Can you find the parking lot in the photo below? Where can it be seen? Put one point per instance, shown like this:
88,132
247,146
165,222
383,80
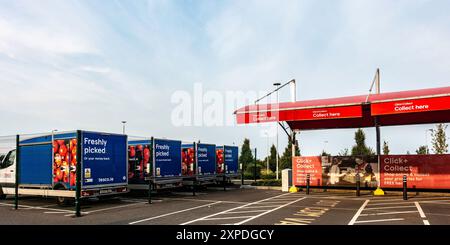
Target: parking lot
238,206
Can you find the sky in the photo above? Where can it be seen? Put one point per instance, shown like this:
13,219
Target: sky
91,64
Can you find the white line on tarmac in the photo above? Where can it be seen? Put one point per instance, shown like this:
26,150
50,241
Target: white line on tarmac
387,213
248,211
176,212
259,215
33,207
390,207
378,220
358,213
268,206
225,211
115,207
240,217
389,203
419,208
425,222
204,200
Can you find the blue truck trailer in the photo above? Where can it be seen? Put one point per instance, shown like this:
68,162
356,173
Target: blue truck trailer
227,165
155,162
199,163
49,165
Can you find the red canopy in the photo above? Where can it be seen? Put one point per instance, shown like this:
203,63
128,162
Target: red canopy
397,108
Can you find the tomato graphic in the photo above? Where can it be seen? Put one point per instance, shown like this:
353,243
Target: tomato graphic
58,160
74,159
55,147
139,147
62,150
146,154
132,152
58,175
60,142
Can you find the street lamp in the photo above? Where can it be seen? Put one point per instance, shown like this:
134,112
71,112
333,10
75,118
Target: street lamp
268,151
277,85
123,126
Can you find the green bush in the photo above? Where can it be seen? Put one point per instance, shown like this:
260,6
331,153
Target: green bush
269,182
268,176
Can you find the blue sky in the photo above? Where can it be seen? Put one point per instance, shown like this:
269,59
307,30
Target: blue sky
91,64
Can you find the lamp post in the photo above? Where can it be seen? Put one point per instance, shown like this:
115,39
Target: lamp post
123,126
277,85
268,152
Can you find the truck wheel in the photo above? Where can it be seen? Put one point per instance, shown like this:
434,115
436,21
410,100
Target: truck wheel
63,201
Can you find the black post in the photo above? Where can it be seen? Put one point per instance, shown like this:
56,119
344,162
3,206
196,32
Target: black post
307,184
151,172
195,168
242,174
377,130
254,170
78,176
405,185
358,184
16,186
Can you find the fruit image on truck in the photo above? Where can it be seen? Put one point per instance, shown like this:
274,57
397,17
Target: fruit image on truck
48,165
188,160
200,161
139,162
227,160
154,161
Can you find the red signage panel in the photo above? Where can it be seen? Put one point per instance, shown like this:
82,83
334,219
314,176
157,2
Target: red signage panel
422,171
299,114
301,166
408,106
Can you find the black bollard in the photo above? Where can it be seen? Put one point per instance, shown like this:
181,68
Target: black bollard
405,185
307,184
358,185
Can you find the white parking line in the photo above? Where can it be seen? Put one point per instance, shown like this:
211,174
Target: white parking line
116,207
425,222
232,209
33,207
419,208
176,212
390,207
387,213
270,206
390,203
358,213
259,215
378,220
247,211
240,217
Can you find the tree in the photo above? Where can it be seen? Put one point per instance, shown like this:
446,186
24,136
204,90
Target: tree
344,152
273,158
408,153
324,153
422,150
286,158
361,149
439,141
246,157
385,148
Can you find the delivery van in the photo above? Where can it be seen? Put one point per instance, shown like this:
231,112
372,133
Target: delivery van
48,166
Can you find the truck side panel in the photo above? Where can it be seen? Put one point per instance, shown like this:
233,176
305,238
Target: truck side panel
104,160
231,159
36,164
